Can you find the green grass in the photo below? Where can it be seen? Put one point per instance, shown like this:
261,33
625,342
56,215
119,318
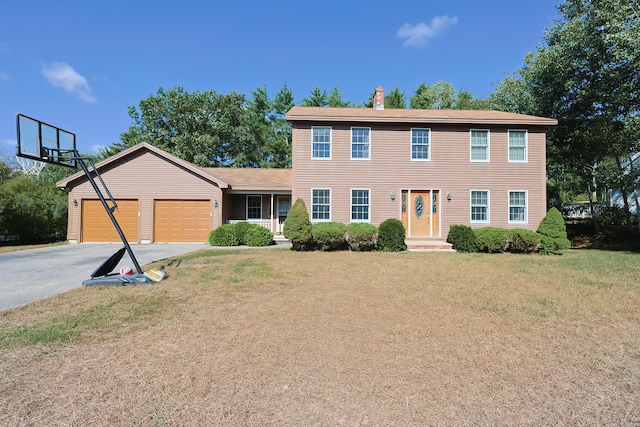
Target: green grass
107,319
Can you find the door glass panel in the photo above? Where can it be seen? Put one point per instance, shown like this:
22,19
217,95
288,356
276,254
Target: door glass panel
419,206
435,204
404,203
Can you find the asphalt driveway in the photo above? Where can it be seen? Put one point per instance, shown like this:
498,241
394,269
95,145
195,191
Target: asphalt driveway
32,274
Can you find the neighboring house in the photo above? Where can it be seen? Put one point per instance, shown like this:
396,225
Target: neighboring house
428,168
162,198
633,197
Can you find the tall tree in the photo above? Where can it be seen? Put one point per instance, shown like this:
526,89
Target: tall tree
318,98
442,95
392,100
335,99
204,128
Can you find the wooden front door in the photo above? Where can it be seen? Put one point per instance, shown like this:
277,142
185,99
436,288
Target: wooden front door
421,213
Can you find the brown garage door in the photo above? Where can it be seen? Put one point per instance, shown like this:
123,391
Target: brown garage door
181,221
97,226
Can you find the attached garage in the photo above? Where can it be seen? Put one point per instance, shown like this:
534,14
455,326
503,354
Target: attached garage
97,226
181,220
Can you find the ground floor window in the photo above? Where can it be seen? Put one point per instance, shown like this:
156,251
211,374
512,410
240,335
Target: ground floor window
517,206
321,205
254,207
360,205
479,206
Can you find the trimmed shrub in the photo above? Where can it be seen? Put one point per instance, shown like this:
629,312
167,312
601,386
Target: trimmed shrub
553,227
257,235
491,239
391,236
225,235
297,227
241,229
547,246
362,236
329,236
462,238
522,241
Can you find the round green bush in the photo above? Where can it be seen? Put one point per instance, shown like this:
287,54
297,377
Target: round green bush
257,235
297,227
522,241
553,227
225,235
491,239
362,236
241,230
391,236
462,238
329,236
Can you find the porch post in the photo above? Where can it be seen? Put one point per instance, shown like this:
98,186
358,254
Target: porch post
272,208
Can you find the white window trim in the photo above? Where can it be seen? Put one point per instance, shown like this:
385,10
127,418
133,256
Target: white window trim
526,206
330,205
488,220
330,142
488,159
411,145
369,151
351,205
247,207
526,145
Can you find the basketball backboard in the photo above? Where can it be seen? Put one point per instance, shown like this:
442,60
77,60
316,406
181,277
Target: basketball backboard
41,141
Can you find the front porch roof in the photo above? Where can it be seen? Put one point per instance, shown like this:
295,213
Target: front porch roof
254,179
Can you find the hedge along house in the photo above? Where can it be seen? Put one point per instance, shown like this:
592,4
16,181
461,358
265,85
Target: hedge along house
428,168
162,198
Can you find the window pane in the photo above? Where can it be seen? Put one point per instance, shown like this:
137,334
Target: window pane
321,204
517,206
517,146
420,144
321,144
479,145
254,207
359,143
360,205
479,205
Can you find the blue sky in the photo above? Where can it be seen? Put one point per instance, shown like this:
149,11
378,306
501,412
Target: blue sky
78,65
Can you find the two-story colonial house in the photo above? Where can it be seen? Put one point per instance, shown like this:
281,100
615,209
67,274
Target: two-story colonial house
428,168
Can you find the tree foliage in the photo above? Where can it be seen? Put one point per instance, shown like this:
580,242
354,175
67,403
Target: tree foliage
586,75
442,95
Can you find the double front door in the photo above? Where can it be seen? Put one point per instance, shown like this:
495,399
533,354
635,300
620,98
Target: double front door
421,213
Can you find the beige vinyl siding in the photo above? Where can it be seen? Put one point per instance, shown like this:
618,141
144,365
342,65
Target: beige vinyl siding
146,177
449,171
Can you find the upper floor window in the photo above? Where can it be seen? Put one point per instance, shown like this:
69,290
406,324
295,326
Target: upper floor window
479,206
420,147
517,145
321,142
321,205
360,143
517,206
359,205
479,145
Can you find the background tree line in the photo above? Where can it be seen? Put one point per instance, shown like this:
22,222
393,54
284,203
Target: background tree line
585,73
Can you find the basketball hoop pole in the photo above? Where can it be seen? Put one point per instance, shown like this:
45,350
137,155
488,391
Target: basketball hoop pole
109,210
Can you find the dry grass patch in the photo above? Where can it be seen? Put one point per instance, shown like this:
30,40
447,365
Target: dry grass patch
282,338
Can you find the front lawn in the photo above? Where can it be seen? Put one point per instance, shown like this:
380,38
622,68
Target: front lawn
254,337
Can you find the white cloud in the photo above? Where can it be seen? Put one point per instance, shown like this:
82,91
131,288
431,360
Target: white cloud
4,76
418,35
63,75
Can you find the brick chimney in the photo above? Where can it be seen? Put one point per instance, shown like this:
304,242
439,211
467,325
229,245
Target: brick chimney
378,98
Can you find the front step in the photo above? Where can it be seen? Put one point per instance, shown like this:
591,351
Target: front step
428,245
